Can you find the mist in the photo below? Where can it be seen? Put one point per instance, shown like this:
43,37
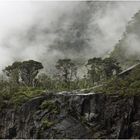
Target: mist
46,31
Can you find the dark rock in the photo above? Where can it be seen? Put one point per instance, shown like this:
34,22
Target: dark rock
69,115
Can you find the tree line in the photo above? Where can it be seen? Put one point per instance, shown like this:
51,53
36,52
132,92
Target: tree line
27,74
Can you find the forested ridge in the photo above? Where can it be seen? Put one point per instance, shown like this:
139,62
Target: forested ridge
25,80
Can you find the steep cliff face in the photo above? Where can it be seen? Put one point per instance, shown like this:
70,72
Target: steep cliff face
73,115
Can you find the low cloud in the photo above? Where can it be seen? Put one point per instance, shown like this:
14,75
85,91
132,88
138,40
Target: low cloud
46,31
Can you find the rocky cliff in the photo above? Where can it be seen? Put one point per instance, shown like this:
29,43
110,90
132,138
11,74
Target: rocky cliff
73,115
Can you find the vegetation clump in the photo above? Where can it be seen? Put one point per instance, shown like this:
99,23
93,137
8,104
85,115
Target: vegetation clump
127,85
23,80
46,123
51,106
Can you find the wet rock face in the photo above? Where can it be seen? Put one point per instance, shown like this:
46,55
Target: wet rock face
73,116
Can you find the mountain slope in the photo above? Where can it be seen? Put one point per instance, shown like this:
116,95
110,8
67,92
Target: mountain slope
127,50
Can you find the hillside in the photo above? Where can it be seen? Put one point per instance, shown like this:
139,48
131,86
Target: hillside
70,70
127,50
108,111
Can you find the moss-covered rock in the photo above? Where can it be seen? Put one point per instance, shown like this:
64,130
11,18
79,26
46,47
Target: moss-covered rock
46,123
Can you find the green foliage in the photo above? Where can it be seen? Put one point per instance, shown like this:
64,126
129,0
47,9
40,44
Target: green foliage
65,77
26,70
29,70
24,94
11,94
47,104
102,69
99,71
13,72
67,71
128,85
51,106
46,123
110,65
19,99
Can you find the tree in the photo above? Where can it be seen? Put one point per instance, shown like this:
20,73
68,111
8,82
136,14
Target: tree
67,71
13,72
102,69
111,67
26,71
46,81
29,70
95,67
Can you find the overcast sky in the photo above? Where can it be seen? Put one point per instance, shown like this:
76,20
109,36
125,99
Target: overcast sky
28,29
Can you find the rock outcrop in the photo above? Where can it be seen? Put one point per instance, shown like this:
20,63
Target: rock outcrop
73,115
